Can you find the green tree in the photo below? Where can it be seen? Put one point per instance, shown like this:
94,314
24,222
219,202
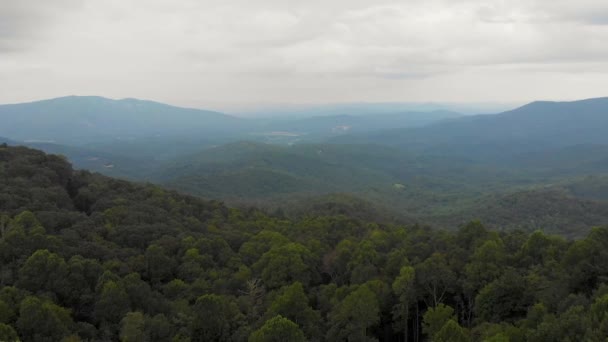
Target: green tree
159,266
6,312
451,332
44,271
292,304
351,319
43,321
159,328
285,264
278,329
113,303
26,220
404,289
252,250
216,318
132,327
505,299
435,276
435,318
7,333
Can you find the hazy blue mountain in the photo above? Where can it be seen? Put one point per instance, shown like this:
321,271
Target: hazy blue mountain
573,159
82,119
533,127
109,164
365,108
4,140
115,165
317,127
593,187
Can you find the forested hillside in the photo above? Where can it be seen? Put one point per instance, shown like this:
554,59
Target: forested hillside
82,120
89,258
529,192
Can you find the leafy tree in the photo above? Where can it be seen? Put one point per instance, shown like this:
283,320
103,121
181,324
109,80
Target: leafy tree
44,271
352,317
435,276
159,267
132,327
285,264
113,303
216,318
451,332
158,328
293,304
278,329
6,312
41,320
7,333
404,289
435,318
262,242
505,298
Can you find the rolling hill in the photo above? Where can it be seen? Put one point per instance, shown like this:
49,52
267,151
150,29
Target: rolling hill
92,258
559,186
316,128
79,120
530,128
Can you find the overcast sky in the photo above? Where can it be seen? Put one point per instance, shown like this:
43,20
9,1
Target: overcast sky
227,53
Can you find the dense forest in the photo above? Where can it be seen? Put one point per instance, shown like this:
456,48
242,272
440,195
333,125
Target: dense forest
90,258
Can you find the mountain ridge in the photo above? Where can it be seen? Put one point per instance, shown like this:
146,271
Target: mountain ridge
78,119
534,126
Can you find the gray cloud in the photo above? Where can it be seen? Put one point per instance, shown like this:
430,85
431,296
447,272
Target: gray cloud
25,21
225,52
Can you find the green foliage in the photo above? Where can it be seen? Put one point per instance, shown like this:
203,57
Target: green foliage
7,333
132,327
113,303
436,277
353,316
41,320
216,318
92,258
451,332
278,329
293,304
504,299
436,318
404,289
44,271
285,264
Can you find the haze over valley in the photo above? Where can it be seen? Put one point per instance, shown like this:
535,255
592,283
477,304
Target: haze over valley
438,167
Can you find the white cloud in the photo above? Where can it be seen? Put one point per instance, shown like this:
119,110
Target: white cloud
220,52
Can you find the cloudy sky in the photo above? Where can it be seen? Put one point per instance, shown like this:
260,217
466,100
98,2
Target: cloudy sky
224,53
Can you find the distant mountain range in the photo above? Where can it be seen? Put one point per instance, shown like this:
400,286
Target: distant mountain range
337,125
533,127
543,159
83,119
131,126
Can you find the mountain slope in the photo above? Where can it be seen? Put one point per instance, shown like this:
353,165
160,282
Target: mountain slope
318,127
533,127
90,258
82,119
553,209
260,170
